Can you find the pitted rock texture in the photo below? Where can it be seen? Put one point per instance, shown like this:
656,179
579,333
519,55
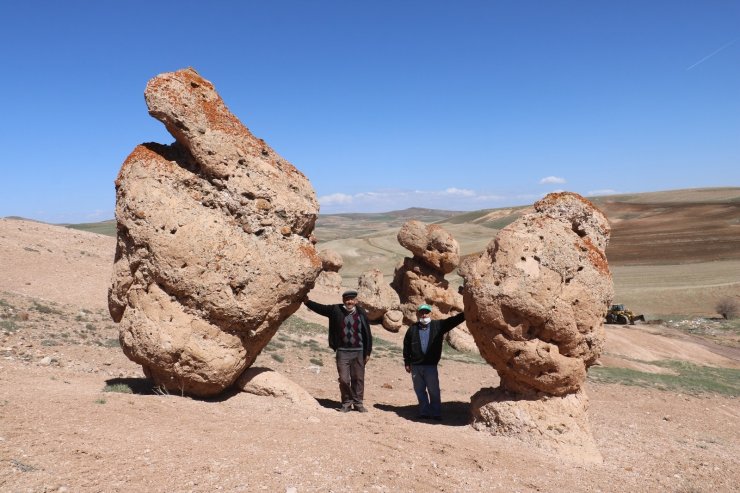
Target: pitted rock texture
213,248
558,424
375,295
421,279
416,283
536,298
432,244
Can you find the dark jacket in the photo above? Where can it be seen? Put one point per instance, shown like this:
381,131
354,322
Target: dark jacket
336,314
412,354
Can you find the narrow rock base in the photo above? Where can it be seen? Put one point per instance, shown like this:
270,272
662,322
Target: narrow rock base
555,424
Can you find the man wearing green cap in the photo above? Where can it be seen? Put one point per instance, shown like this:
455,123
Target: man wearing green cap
422,349
351,338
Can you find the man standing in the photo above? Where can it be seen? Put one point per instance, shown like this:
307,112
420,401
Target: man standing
422,348
350,337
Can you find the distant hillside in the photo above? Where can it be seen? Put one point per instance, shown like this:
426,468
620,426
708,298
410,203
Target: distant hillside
668,227
107,228
351,225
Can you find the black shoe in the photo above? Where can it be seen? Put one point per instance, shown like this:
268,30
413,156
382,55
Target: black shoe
345,408
360,408
437,418
423,416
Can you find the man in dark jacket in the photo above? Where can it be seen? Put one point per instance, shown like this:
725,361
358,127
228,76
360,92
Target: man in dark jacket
350,337
422,348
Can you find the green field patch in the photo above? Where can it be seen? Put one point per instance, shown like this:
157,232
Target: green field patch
687,377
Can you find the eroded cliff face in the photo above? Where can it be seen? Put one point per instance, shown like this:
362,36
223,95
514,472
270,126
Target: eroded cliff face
213,247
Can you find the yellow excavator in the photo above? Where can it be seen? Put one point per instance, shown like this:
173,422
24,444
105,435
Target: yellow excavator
618,314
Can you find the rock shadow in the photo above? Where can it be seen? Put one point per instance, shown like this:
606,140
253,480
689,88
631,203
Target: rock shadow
144,386
454,413
137,385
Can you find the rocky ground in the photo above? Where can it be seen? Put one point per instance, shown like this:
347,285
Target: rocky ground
76,415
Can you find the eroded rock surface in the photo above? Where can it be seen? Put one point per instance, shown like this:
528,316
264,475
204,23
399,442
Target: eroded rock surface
432,244
554,423
421,279
213,247
266,382
375,295
535,299
329,278
535,302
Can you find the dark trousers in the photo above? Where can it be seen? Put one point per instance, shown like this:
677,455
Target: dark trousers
351,369
426,385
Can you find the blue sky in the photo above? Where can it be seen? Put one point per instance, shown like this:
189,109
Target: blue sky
384,104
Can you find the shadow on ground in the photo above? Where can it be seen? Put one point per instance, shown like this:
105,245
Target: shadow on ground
455,413
329,403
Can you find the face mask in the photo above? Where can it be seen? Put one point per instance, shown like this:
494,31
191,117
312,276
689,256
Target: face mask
425,320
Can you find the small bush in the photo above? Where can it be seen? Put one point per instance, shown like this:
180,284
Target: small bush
277,357
728,307
8,325
44,308
100,401
91,327
111,343
316,361
120,388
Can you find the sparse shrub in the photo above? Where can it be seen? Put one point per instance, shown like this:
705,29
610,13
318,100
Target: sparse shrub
91,327
728,308
4,303
111,343
316,361
277,357
8,325
21,466
44,308
79,317
49,342
120,388
100,401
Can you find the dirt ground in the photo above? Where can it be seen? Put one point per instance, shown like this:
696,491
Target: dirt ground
60,431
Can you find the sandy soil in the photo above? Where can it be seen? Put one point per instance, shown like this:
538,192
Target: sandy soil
59,430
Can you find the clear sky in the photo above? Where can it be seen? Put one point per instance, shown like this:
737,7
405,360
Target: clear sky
382,104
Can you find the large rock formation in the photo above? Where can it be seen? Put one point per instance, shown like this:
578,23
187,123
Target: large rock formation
213,247
421,279
535,299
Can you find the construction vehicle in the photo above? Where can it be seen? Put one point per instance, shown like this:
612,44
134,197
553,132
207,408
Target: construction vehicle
618,314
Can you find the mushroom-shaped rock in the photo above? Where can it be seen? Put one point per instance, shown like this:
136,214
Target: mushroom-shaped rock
213,249
535,299
432,244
